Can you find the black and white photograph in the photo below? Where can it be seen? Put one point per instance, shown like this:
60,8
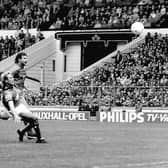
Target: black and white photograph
83,83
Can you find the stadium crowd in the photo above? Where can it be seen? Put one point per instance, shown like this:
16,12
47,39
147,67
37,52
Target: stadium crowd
10,45
81,14
112,15
27,13
140,74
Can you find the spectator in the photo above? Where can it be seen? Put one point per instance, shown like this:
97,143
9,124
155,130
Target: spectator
132,76
21,40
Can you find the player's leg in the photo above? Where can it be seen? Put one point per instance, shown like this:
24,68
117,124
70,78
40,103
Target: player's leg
28,127
30,134
38,132
32,121
27,118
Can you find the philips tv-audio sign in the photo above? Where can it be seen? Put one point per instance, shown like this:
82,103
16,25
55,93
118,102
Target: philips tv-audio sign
129,115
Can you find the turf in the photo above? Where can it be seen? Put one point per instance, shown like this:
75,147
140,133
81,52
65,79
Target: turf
86,144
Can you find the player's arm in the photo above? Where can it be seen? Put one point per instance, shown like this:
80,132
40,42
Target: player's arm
18,81
33,79
13,111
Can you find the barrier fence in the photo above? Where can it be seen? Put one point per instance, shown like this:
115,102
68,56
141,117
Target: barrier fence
117,104
106,104
112,115
113,96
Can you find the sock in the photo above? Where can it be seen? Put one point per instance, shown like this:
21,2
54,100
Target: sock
27,128
37,129
38,132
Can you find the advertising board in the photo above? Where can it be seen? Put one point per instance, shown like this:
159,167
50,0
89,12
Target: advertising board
129,115
60,113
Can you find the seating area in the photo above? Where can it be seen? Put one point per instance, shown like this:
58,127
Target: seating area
81,14
27,13
140,74
123,80
112,15
10,45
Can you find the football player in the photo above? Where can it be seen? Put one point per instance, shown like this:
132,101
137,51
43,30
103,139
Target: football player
11,99
19,73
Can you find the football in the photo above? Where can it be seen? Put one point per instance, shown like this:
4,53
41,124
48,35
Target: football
137,28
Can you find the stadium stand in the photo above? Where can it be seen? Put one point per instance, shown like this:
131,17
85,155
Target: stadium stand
84,14
121,82
113,14
30,13
140,74
9,45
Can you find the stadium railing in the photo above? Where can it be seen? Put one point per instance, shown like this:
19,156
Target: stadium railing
128,96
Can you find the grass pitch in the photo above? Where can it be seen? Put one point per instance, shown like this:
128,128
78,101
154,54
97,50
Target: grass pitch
86,144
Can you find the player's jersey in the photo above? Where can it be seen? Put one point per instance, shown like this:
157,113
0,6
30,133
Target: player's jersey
10,94
19,76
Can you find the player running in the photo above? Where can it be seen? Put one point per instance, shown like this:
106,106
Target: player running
11,99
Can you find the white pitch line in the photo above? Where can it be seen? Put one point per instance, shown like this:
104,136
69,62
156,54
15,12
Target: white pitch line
147,164
134,165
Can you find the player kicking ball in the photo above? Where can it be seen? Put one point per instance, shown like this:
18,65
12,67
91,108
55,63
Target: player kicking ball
12,102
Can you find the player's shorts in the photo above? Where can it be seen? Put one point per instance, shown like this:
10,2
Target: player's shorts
21,108
23,111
